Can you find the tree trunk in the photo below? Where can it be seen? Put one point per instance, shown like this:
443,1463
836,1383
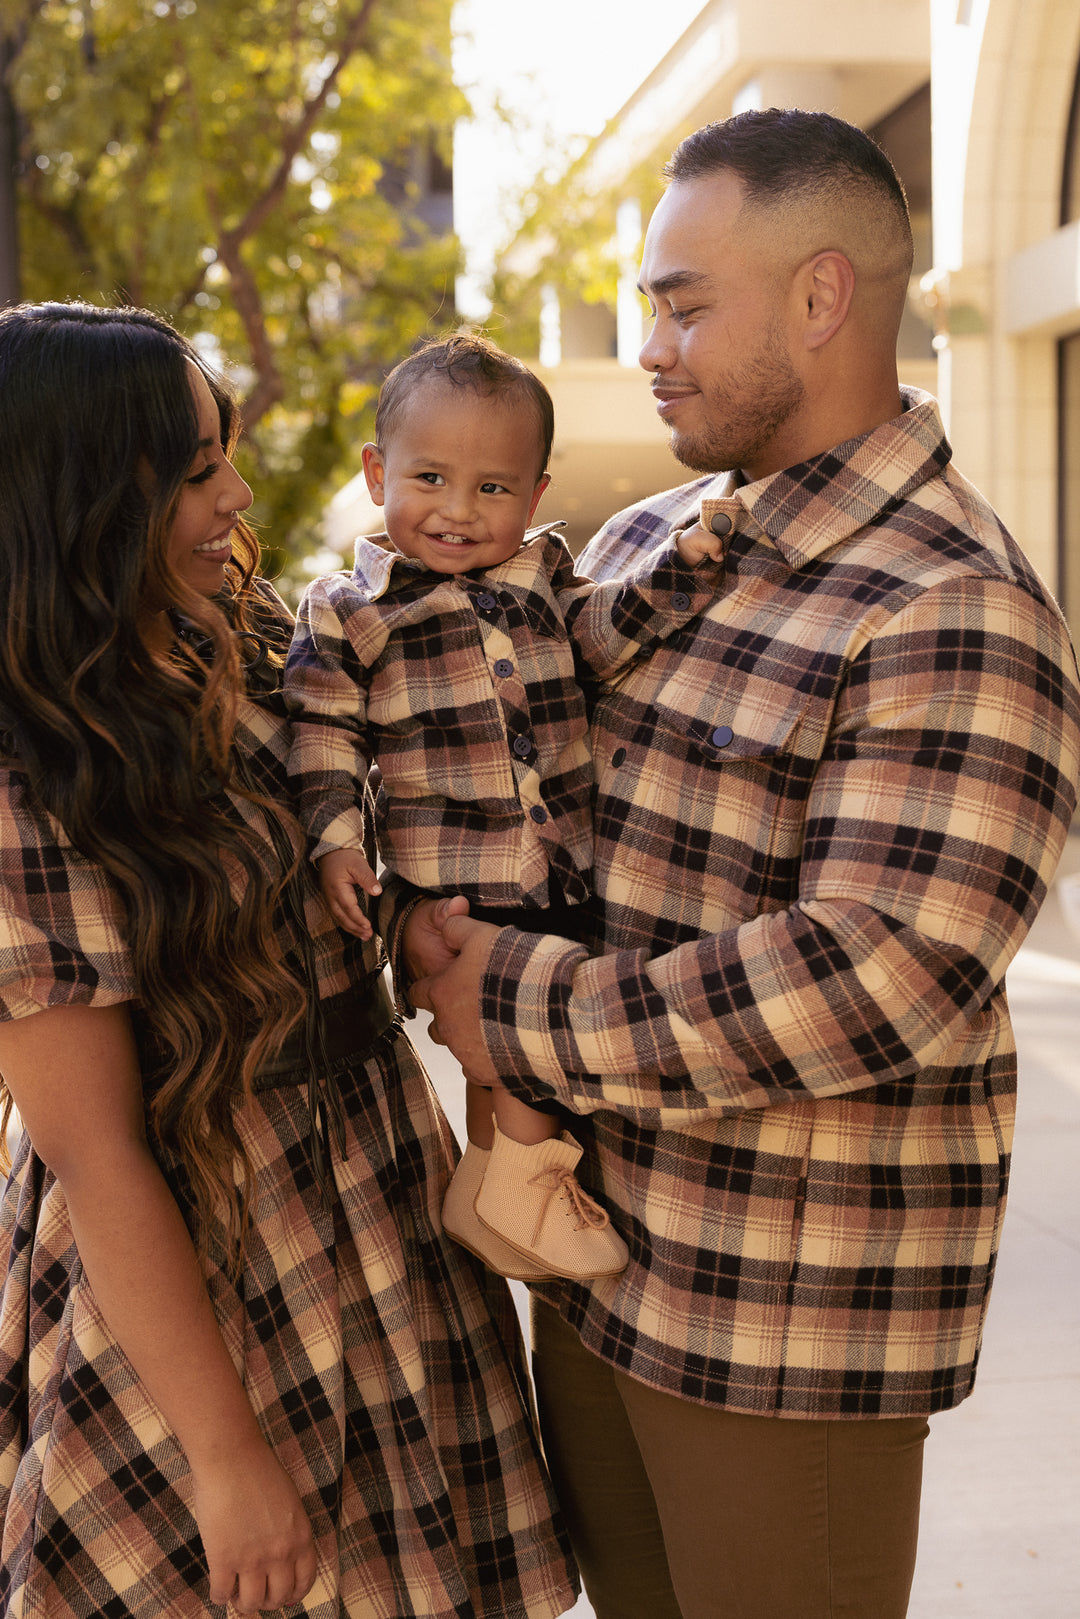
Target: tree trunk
9,157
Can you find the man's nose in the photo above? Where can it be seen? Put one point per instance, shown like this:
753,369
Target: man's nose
656,354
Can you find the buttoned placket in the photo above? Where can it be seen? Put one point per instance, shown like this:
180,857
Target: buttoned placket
504,668
720,517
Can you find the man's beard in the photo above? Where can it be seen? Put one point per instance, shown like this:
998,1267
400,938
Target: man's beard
744,414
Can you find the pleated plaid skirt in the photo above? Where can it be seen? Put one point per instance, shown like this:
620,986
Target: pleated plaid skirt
385,1369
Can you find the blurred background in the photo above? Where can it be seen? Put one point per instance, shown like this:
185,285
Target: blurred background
309,187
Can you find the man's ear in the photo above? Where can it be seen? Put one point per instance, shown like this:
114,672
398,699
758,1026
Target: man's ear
545,479
374,472
828,286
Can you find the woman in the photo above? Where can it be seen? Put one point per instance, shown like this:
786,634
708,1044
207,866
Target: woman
238,1362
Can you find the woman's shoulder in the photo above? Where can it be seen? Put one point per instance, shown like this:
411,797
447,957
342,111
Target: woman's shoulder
24,821
61,937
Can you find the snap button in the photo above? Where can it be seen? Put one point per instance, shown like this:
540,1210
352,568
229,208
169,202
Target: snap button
721,736
618,757
503,667
721,525
522,747
539,814
486,601
680,601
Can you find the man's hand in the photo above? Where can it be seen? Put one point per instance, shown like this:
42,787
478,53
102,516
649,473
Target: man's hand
424,950
452,993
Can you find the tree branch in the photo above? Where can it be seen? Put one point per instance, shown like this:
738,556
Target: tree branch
296,136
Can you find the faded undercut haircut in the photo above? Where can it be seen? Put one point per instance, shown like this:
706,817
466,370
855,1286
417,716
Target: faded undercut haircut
785,155
467,360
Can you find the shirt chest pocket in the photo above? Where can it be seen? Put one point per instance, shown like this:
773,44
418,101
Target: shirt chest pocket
701,811
741,722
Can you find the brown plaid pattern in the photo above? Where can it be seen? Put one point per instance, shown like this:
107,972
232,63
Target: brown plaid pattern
384,1366
467,691
827,813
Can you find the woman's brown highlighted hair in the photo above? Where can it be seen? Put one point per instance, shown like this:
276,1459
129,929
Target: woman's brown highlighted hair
130,752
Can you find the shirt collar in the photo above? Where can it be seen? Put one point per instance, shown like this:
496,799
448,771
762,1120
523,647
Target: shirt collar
814,505
375,558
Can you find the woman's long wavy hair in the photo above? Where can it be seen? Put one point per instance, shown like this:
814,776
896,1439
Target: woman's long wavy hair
128,751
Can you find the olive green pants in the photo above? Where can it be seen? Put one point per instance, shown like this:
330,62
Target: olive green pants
680,1512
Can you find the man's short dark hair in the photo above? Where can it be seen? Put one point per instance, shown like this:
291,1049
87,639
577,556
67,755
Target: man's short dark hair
780,154
467,360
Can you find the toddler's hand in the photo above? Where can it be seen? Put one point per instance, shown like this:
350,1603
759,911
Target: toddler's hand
697,543
341,873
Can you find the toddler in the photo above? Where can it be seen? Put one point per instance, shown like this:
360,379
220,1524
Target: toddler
449,658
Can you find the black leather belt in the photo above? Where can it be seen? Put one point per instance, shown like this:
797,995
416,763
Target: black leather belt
351,1027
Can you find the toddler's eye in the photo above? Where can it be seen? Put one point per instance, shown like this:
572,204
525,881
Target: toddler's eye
492,489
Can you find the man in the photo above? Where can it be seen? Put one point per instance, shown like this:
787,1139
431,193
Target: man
827,813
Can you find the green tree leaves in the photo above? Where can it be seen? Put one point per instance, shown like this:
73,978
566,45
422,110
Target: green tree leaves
259,171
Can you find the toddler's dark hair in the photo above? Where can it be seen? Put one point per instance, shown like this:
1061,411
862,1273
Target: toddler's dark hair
466,360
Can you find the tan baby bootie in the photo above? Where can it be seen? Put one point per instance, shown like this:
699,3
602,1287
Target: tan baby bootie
530,1198
460,1222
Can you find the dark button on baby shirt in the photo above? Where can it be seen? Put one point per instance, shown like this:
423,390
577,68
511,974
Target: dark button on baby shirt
539,814
486,601
503,668
680,601
522,746
721,525
721,736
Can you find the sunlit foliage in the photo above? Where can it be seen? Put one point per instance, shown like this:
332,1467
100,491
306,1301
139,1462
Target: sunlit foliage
252,168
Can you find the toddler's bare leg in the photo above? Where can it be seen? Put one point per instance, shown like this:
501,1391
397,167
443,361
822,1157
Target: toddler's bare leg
522,1123
479,1124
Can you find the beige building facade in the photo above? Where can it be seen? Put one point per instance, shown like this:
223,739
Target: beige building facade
976,102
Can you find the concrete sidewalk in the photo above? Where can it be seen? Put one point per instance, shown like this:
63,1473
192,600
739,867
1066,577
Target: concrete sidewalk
1001,1499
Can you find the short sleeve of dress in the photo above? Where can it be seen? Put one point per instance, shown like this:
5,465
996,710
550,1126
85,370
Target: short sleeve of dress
60,940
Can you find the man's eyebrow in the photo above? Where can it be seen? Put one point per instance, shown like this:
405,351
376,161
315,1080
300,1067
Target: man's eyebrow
678,280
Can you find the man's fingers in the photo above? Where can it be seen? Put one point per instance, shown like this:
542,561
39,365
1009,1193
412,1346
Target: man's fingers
420,995
459,930
446,909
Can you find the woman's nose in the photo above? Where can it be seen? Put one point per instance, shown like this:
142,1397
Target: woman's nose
235,495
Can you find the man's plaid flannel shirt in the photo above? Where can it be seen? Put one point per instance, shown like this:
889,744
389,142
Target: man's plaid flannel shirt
827,813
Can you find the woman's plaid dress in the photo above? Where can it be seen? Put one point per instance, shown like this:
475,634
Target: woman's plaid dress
385,1368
